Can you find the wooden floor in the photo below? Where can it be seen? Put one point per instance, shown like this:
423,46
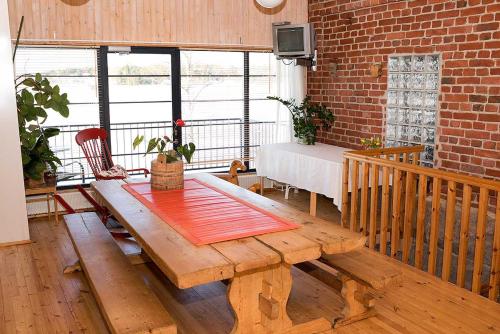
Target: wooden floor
35,297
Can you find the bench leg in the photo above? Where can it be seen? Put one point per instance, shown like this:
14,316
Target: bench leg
258,299
72,268
359,304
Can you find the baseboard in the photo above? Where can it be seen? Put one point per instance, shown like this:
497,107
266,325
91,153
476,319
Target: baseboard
15,243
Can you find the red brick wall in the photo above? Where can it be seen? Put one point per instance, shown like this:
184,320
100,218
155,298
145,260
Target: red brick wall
355,34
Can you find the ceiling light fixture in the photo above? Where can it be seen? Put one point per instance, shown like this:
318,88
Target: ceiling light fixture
269,3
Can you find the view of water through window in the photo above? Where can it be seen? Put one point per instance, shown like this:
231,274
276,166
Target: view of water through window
140,101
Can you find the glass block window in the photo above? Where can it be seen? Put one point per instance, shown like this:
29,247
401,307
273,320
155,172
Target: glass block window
412,102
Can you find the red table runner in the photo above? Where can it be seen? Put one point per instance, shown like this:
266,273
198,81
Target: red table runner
204,214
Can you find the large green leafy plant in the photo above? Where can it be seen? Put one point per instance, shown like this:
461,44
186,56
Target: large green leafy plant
35,96
307,118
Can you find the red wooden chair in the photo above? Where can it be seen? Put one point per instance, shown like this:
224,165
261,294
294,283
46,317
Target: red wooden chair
95,148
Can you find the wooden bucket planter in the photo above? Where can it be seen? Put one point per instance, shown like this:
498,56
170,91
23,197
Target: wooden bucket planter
167,176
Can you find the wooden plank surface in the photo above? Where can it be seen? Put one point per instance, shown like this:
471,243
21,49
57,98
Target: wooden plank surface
365,265
247,254
330,237
185,264
127,304
219,24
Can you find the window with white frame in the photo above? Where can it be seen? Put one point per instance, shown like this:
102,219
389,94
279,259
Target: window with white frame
412,102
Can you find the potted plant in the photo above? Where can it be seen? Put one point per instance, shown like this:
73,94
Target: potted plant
35,96
307,118
167,170
371,143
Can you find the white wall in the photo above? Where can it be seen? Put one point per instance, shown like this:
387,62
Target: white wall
13,221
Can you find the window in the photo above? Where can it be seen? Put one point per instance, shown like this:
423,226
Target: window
140,86
212,104
412,102
221,95
75,71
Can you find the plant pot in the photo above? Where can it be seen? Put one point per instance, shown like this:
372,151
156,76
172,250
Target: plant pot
32,183
50,179
167,175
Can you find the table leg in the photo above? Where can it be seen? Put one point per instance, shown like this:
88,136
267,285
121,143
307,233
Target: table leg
258,299
56,216
48,206
312,204
261,180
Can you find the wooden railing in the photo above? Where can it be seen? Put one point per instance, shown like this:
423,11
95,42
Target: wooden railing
391,203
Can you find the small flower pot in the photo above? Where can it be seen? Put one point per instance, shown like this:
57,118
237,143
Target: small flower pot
50,179
167,175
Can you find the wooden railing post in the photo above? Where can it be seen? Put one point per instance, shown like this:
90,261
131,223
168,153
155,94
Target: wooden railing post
396,205
345,193
364,198
354,197
464,235
384,213
419,238
433,239
408,215
495,257
451,201
480,234
373,207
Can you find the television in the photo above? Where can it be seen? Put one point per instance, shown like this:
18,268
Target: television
293,40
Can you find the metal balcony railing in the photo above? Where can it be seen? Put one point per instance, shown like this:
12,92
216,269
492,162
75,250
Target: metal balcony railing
218,142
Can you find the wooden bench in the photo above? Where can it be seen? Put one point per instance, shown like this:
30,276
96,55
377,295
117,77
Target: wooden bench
127,304
352,274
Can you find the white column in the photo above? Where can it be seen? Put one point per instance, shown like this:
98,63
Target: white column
13,221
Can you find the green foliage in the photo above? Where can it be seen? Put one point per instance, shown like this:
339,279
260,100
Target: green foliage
35,96
162,146
187,151
371,143
306,116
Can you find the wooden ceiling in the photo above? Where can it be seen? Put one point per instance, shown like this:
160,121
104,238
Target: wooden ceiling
227,24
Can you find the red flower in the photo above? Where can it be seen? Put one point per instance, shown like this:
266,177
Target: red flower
180,123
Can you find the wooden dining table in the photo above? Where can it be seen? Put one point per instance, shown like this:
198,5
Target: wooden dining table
258,268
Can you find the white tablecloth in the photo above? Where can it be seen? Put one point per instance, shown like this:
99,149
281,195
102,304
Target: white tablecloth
316,168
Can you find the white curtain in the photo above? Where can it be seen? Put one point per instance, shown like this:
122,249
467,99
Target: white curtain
291,84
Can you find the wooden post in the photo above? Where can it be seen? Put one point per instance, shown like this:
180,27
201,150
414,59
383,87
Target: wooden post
464,235
384,214
313,204
354,197
396,205
373,207
345,193
480,239
433,239
261,180
451,201
364,198
495,257
419,238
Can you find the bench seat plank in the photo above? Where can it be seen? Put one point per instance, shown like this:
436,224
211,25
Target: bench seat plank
128,305
185,264
366,266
